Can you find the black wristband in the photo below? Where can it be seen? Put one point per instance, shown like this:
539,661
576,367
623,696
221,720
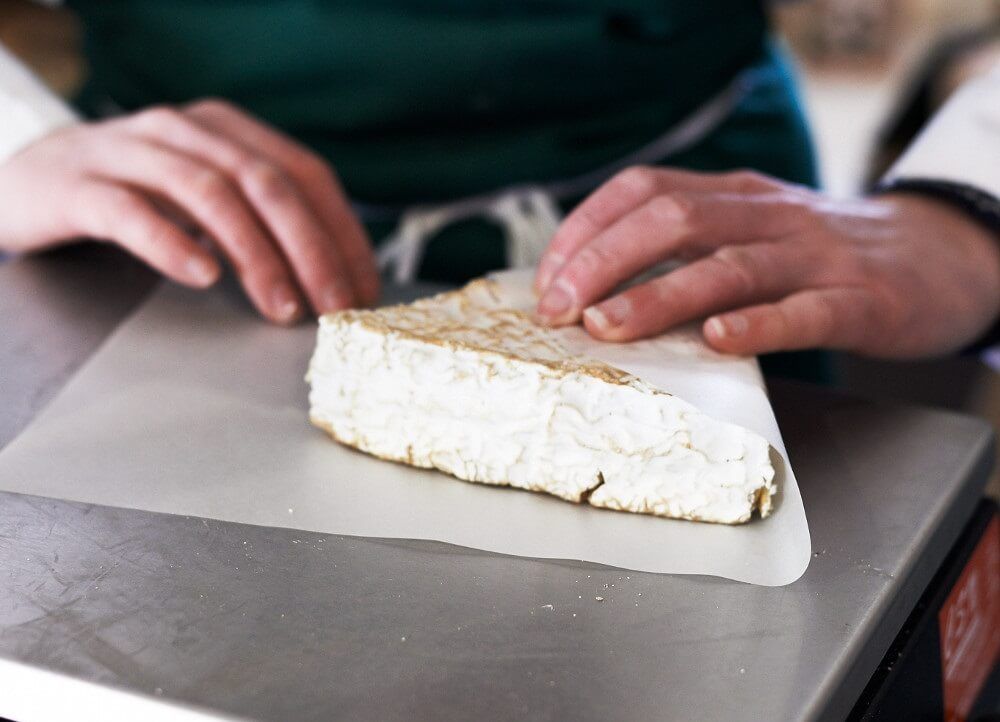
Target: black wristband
977,204
980,205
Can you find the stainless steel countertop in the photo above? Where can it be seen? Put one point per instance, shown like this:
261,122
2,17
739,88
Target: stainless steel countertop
277,624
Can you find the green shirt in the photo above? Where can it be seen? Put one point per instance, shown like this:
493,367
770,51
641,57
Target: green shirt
427,100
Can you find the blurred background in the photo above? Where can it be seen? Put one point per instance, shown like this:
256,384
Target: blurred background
872,73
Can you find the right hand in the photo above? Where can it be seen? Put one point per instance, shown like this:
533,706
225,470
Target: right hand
146,181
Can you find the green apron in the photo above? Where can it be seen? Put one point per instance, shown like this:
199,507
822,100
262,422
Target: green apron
420,101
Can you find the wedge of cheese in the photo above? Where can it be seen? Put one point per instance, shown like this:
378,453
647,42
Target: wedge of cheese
463,383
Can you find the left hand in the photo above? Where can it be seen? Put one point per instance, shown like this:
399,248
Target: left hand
772,266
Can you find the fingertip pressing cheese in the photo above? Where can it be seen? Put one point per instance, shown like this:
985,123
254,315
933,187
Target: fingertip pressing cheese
463,383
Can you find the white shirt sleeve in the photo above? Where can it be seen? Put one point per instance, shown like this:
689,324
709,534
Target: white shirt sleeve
961,143
28,109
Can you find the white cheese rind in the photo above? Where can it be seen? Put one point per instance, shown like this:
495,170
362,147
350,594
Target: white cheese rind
516,414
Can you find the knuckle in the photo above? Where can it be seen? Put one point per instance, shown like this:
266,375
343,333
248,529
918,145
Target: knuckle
673,208
586,218
210,186
739,266
242,164
206,182
638,180
780,326
734,256
824,318
590,260
663,292
124,215
157,118
267,182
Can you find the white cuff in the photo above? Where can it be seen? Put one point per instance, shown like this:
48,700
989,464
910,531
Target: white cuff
961,144
28,109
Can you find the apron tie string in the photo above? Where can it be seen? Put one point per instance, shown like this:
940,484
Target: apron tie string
529,214
528,217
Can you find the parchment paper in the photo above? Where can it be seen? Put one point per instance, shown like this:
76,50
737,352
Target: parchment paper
194,406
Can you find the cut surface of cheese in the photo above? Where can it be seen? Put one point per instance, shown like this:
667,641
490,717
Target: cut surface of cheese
464,383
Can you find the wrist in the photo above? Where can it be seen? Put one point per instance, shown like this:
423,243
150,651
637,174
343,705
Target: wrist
966,236
974,203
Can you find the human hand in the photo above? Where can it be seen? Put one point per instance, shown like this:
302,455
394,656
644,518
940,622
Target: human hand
773,266
146,181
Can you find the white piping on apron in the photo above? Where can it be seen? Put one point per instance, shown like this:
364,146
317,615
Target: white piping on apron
528,213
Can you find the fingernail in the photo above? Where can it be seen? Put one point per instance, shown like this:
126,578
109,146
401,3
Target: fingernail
610,314
284,303
715,327
597,318
202,271
731,325
333,298
557,301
